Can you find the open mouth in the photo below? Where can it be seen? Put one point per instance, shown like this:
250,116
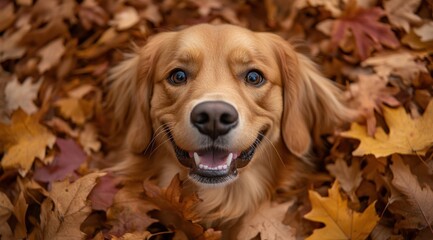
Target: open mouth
215,165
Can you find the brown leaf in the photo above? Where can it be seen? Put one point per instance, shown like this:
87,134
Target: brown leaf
369,33
102,195
6,208
401,12
66,208
78,110
7,16
425,32
10,47
350,177
51,54
91,13
89,139
125,19
417,207
22,95
268,223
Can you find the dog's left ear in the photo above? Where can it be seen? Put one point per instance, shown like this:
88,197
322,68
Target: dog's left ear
313,104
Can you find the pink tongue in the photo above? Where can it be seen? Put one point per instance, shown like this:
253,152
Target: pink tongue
213,158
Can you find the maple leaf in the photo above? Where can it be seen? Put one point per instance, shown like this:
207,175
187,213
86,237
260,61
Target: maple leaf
340,221
66,208
406,135
70,158
401,12
400,63
268,222
78,110
425,32
417,207
23,141
369,33
22,95
51,54
369,94
9,44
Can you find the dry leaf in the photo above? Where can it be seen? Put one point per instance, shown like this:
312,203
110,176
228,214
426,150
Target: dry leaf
102,195
22,95
349,177
369,33
268,222
9,44
65,210
51,54
78,110
401,12
89,139
7,16
425,32
23,141
406,135
417,206
6,208
125,19
340,221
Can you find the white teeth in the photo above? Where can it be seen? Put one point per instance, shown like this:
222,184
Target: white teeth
229,159
224,166
196,159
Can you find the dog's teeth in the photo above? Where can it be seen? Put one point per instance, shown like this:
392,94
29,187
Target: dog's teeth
220,167
205,167
196,159
200,166
229,159
224,167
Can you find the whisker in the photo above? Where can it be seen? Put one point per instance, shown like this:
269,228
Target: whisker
157,134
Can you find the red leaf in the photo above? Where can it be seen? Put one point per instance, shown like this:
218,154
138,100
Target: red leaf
70,158
102,195
368,32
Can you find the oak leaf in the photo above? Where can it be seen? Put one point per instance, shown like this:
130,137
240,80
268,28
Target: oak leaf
368,32
22,95
349,177
66,208
401,12
417,206
406,135
23,141
340,221
268,222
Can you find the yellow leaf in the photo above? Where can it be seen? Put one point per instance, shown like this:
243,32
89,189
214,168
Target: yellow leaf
23,141
78,110
340,221
406,135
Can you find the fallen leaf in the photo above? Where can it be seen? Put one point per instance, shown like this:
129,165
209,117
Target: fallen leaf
417,206
23,141
414,41
7,16
401,64
425,32
78,110
6,208
22,95
349,177
89,13
102,195
10,47
205,7
51,54
369,33
401,12
20,210
63,127
370,94
340,221
406,135
89,139
125,19
268,223
70,158
66,208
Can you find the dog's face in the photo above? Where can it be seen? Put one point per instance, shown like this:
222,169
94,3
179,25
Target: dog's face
215,95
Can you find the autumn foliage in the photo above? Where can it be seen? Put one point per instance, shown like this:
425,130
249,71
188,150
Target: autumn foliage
377,177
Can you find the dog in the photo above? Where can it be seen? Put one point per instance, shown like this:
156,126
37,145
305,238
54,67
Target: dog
235,113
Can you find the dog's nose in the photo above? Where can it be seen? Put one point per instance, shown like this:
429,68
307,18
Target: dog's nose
214,118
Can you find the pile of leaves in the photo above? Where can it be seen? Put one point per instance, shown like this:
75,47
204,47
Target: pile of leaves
377,180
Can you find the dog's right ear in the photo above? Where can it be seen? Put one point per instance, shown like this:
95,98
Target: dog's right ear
130,91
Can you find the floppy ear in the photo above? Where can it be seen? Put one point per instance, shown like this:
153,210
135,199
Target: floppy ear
312,103
129,96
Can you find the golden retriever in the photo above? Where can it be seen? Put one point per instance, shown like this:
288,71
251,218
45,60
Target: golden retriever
234,112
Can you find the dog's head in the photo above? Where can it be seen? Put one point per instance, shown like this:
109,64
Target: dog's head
216,94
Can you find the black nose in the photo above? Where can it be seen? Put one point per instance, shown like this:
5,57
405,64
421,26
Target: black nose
214,118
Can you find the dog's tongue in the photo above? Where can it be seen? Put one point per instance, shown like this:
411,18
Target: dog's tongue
213,158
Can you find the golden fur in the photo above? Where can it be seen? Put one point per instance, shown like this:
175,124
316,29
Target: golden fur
297,104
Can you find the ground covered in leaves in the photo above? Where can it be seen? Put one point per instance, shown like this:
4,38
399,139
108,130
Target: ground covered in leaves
377,179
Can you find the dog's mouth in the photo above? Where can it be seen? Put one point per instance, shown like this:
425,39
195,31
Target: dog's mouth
215,165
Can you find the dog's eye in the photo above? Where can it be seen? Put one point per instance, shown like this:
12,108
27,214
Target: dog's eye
255,78
177,77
